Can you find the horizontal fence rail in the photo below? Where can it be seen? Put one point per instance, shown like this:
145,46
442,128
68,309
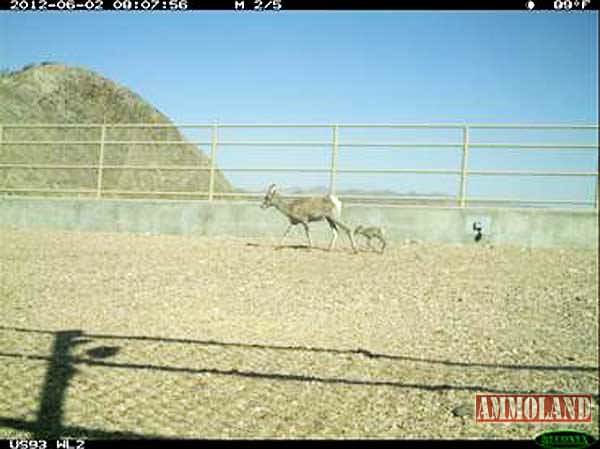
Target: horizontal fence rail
103,144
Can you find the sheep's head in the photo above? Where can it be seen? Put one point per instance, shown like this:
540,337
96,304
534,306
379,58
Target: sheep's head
268,199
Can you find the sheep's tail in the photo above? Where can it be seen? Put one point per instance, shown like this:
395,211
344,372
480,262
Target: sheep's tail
337,204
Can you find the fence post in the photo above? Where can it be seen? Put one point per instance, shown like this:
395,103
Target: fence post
101,161
213,155
597,188
1,132
334,154
463,168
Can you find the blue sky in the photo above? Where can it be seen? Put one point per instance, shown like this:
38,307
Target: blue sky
347,67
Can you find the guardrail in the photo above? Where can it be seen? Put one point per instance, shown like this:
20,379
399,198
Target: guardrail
214,144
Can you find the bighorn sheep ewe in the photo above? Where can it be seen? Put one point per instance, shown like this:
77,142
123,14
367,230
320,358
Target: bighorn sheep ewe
370,233
304,210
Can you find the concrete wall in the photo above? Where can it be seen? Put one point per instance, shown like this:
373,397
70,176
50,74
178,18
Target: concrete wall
524,227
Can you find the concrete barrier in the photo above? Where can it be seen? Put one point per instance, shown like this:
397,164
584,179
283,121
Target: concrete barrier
523,227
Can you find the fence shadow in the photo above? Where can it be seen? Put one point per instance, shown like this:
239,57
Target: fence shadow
61,368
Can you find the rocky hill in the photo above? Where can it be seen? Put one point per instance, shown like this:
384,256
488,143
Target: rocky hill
51,93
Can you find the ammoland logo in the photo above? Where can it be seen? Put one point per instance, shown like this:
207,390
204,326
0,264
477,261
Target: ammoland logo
570,408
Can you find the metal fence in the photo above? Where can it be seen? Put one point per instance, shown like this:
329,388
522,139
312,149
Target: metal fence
214,145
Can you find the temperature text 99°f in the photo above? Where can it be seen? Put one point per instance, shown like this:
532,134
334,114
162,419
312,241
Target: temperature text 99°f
571,4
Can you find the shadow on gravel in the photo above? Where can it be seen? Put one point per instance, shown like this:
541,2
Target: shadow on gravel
304,247
59,372
61,368
296,247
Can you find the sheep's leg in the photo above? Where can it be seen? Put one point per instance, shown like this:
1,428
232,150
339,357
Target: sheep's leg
334,238
347,230
285,234
307,234
359,243
334,231
382,244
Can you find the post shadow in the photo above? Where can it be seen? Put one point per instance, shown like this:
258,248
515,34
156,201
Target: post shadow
59,373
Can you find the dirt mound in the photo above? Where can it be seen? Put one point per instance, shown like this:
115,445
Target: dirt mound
57,94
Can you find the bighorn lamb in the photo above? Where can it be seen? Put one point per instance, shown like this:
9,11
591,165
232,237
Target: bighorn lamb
371,232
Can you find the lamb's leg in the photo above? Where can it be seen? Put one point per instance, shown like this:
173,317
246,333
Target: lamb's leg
285,234
370,244
307,234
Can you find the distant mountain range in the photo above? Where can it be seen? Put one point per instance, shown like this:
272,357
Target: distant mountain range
322,190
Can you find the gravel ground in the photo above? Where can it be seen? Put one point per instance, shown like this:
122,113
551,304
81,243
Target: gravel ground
112,335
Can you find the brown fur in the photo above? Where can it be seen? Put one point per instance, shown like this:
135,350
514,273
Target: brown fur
305,210
371,233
